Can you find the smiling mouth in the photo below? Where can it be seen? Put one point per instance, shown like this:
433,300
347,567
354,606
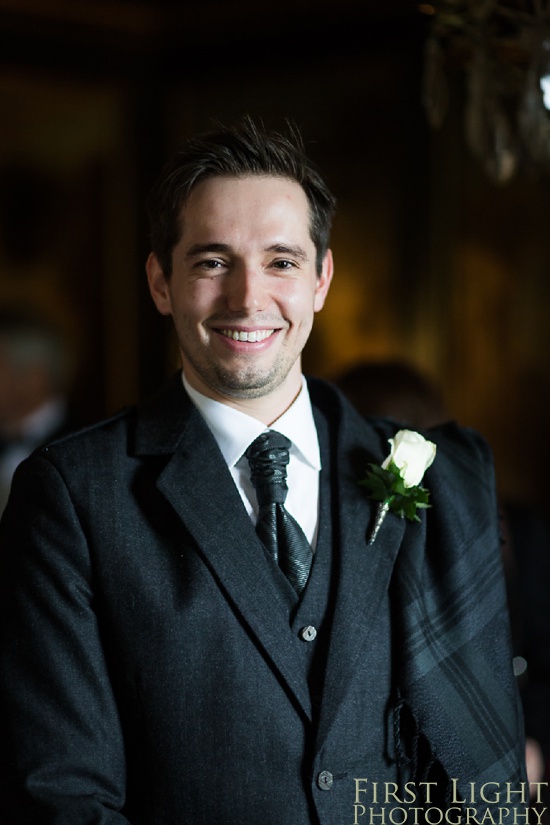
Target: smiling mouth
251,337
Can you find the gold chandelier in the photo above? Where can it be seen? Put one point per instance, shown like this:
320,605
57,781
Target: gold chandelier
504,48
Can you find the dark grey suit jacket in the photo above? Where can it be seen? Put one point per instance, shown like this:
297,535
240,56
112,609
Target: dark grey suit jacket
153,669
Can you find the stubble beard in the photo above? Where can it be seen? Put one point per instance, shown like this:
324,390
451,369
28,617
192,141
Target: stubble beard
247,381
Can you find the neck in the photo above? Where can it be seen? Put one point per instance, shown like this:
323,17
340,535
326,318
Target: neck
265,409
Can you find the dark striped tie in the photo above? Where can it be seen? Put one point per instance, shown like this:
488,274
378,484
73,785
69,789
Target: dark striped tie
281,534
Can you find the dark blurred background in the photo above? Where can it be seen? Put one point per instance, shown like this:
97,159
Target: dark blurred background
436,261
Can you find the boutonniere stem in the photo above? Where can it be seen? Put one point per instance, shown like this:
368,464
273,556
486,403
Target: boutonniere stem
381,513
396,483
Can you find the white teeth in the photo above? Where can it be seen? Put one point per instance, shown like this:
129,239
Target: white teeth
249,337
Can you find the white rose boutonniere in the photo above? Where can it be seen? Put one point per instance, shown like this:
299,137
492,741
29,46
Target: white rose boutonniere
396,484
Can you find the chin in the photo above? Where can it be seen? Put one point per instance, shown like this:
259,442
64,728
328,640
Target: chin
248,386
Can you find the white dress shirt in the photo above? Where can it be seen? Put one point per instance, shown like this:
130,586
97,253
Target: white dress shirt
234,431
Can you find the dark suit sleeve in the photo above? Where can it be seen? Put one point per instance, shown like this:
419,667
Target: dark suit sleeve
60,738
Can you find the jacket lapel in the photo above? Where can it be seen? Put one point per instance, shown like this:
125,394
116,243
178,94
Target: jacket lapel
219,524
364,571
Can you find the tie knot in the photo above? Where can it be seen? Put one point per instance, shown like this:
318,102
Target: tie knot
268,458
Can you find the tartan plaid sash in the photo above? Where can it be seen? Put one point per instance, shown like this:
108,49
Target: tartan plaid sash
454,656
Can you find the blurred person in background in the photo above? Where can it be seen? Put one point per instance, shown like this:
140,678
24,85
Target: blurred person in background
393,389
35,373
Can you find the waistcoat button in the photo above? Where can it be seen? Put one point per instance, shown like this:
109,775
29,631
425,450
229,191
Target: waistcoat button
308,633
325,780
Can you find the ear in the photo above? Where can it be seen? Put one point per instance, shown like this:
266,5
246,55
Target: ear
323,281
158,285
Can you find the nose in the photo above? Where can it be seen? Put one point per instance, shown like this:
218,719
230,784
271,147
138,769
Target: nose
245,289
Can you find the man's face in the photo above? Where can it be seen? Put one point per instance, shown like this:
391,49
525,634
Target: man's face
244,286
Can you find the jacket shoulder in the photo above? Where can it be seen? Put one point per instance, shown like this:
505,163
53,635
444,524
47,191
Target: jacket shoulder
463,447
96,436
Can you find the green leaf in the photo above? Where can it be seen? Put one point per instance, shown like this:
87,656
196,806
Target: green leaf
378,482
388,485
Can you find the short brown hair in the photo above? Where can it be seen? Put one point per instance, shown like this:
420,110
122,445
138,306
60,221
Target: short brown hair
245,149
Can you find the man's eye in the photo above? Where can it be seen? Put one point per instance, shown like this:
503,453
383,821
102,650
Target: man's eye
210,264
284,264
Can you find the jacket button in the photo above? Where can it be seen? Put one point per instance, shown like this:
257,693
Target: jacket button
308,633
325,780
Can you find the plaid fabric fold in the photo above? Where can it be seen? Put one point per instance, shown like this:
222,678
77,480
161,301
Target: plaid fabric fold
454,655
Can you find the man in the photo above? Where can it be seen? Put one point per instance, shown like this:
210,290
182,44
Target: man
164,663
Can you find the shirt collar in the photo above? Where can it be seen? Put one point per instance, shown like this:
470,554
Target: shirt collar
234,431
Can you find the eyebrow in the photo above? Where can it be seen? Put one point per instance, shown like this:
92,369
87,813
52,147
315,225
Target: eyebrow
293,251
201,248
284,249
